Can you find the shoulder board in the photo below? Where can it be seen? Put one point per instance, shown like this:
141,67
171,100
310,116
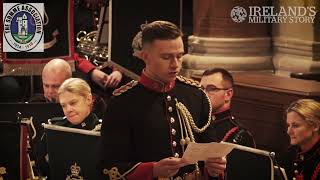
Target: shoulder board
124,88
189,81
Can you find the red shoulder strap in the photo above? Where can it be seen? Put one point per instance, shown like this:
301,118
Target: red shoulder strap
229,133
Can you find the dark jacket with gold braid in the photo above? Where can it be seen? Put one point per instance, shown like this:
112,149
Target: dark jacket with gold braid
302,165
142,126
229,130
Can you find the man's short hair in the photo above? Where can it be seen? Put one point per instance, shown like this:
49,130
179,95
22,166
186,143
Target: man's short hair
160,30
58,66
226,76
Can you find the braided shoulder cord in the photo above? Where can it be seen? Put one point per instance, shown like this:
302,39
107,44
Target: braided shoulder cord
186,113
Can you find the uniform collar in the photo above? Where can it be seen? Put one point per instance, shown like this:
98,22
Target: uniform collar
88,123
223,116
315,148
154,84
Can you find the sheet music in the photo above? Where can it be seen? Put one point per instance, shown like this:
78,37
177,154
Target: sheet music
201,151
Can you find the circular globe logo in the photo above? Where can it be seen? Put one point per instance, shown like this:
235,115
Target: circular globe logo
23,27
238,14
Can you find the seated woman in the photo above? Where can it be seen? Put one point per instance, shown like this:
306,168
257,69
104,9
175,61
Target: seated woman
302,161
76,100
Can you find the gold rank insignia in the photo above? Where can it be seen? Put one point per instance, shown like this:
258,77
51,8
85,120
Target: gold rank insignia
75,171
189,81
124,88
2,172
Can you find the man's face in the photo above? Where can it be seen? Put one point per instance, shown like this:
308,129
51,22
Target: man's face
51,83
219,94
163,59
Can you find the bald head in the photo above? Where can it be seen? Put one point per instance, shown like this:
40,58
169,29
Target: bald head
54,73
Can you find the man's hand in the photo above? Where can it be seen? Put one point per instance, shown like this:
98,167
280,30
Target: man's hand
113,79
167,167
104,80
216,166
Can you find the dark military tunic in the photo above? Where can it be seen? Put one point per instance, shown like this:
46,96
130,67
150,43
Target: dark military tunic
142,126
302,165
90,122
227,129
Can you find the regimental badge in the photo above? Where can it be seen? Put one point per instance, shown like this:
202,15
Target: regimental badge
75,173
2,172
23,27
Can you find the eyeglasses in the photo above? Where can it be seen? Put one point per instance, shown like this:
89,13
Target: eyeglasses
212,89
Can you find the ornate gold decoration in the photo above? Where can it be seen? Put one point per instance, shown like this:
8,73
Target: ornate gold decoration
124,88
75,171
115,175
186,120
183,110
2,172
189,81
195,175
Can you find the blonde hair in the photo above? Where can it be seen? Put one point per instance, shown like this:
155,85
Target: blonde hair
75,85
308,109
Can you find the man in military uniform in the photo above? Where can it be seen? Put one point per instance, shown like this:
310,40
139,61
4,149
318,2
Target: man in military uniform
218,84
149,123
54,73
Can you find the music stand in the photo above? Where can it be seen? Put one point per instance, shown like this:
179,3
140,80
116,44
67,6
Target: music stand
73,153
40,113
250,164
13,151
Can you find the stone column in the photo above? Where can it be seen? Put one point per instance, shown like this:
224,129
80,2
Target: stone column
297,44
218,41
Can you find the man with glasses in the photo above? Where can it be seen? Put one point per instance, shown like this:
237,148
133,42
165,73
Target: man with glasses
218,84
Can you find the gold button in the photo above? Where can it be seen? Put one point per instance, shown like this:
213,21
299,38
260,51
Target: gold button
296,171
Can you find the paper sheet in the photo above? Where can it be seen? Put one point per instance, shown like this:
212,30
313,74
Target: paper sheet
201,151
